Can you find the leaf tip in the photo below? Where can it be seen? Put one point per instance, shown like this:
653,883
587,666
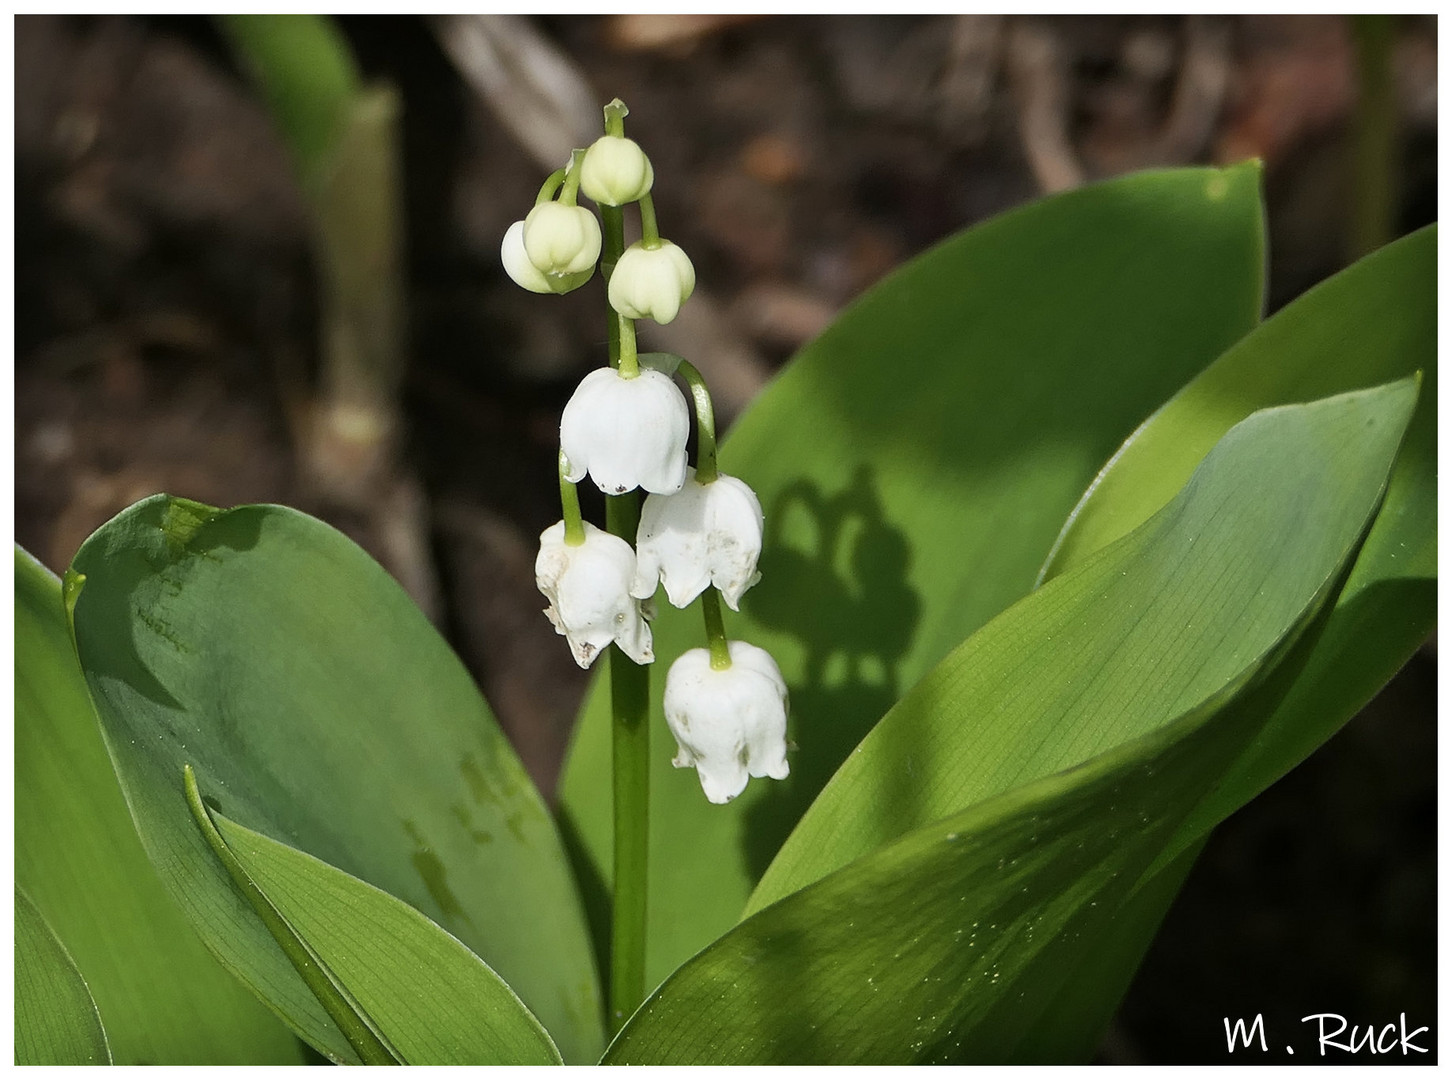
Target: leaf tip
71,586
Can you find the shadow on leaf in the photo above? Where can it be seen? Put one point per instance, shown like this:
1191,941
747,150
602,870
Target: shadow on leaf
840,587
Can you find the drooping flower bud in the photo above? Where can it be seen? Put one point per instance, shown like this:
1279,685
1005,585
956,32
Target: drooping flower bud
561,239
652,283
527,275
626,433
729,724
704,534
616,171
588,587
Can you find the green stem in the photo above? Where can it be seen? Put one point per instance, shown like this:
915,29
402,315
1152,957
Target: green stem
629,358
649,231
1373,221
629,689
630,705
715,629
705,423
623,355
615,114
612,243
361,1037
550,186
570,507
572,178
612,218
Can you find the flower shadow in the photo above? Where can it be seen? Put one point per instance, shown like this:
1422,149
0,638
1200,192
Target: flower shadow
839,586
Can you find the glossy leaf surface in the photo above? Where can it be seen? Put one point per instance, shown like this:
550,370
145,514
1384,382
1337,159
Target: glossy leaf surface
1375,321
319,708
1166,619
914,464
163,997
429,997
56,1022
951,941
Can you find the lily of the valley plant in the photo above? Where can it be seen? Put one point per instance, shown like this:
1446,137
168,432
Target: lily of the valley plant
1059,551
699,535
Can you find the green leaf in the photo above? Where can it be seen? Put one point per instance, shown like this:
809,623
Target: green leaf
949,945
349,1017
914,464
1374,321
56,1022
952,941
163,997
431,999
1168,617
319,708
308,75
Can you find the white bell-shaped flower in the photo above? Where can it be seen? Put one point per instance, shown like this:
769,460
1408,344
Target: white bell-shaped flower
616,171
651,283
561,239
626,433
527,275
588,587
729,724
704,534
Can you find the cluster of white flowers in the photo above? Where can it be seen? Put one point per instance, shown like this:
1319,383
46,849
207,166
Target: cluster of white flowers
627,426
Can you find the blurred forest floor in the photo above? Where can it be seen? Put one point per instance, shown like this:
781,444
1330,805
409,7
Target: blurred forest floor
166,328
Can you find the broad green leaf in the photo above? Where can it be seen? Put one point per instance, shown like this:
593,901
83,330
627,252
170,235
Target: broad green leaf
56,1022
163,997
915,463
320,708
1165,619
951,942
431,999
1374,321
1086,1003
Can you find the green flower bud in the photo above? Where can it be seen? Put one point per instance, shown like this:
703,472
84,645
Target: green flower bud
616,171
527,275
652,283
561,239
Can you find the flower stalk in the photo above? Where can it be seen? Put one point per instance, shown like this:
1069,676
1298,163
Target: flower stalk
571,184
550,186
570,506
629,693
628,362
705,422
649,230
615,114
630,765
715,629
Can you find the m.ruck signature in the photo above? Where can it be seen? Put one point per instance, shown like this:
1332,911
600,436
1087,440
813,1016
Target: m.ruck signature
1387,1039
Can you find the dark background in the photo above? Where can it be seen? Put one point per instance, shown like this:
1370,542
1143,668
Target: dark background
166,328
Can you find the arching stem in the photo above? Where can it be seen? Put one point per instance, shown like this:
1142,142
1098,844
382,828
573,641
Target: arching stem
705,423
